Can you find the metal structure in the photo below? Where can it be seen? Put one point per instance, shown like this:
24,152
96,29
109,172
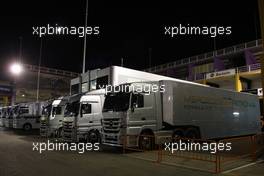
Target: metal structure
255,45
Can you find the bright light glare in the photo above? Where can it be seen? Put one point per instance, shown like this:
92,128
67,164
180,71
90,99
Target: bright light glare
16,69
236,114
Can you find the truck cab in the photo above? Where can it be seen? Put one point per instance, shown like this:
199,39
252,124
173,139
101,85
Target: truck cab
45,116
129,112
3,115
27,115
8,122
54,124
85,122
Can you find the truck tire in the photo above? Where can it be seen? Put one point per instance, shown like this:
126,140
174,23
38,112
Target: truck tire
177,134
146,141
58,133
27,127
192,133
93,137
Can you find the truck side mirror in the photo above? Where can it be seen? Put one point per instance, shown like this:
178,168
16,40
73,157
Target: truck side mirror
134,105
81,113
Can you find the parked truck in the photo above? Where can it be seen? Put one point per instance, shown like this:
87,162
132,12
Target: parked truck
177,109
46,112
26,116
51,122
83,119
1,117
78,127
3,114
8,118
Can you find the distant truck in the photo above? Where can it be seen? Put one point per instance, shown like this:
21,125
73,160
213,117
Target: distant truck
46,112
8,117
76,128
1,117
51,122
26,116
177,109
82,119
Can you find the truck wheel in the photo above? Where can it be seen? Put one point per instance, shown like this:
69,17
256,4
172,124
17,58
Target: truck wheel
27,127
58,134
177,134
93,137
146,141
192,133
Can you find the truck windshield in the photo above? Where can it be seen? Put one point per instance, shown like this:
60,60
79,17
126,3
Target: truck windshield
23,110
56,110
15,110
72,109
116,102
46,110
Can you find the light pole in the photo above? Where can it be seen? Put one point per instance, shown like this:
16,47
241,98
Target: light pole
39,64
84,44
15,69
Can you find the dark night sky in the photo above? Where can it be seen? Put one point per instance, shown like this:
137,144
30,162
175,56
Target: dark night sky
127,30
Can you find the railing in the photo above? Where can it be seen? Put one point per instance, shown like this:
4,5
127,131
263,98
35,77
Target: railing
243,69
52,71
216,159
206,56
248,68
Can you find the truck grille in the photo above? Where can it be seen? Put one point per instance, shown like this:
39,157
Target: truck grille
111,125
43,128
67,131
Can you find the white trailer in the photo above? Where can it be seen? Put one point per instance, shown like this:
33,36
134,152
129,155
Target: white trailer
26,116
182,109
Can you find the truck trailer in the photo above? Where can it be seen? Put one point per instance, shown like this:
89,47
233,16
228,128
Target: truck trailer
177,109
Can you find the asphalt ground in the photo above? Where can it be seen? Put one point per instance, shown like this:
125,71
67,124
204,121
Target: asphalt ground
17,158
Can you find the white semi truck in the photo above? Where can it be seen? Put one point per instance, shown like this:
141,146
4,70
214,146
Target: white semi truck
82,127
83,118
26,116
177,108
8,117
44,119
1,117
51,120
